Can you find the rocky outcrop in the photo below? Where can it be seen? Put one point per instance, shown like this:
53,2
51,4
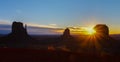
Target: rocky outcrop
66,33
102,29
18,38
19,29
106,42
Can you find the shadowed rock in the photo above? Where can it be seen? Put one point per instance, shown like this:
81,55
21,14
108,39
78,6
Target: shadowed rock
102,29
18,38
68,41
66,33
106,42
18,29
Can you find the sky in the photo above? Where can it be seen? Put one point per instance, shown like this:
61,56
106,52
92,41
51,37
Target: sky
59,14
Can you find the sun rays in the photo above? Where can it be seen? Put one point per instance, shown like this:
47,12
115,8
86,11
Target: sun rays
90,31
91,41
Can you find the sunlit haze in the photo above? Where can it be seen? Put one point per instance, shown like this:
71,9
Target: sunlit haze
90,31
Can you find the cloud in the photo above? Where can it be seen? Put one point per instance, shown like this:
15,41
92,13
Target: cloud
5,28
77,29
44,29
58,30
37,29
4,21
32,29
73,30
53,24
44,26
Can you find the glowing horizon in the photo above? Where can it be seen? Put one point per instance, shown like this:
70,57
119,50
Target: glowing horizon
88,30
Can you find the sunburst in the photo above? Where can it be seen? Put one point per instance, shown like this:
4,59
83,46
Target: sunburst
90,31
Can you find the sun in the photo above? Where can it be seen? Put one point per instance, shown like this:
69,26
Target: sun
90,31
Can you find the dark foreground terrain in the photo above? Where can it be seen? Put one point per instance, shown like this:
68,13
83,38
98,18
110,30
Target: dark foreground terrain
8,54
31,55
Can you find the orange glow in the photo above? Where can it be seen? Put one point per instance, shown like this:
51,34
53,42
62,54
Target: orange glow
90,31
92,40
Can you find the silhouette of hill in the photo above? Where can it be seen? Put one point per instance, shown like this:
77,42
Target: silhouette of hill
103,38
66,33
18,38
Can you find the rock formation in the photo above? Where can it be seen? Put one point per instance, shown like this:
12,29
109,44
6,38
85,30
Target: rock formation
18,29
18,38
66,33
102,29
103,39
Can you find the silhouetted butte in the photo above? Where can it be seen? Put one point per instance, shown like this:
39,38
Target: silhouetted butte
103,39
18,38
